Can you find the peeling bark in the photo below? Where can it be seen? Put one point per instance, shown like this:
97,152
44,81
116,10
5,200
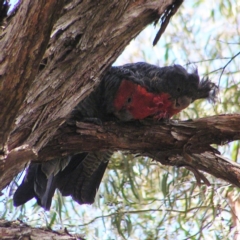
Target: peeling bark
17,230
23,44
177,143
193,136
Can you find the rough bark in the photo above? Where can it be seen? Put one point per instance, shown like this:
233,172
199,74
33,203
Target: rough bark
177,143
17,230
85,40
192,135
23,44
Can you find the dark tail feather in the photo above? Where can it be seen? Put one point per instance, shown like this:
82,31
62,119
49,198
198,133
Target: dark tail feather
83,182
68,177
87,190
25,191
46,199
80,179
35,185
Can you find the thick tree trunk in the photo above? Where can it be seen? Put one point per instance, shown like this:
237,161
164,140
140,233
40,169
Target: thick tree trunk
23,44
75,42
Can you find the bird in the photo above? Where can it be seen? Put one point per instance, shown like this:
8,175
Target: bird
130,92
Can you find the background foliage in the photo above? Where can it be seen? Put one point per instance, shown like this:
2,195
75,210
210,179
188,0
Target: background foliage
139,198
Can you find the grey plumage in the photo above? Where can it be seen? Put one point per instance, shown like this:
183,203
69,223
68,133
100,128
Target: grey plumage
79,175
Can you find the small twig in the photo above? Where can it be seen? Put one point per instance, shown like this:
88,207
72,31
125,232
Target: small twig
226,42
145,211
206,60
223,69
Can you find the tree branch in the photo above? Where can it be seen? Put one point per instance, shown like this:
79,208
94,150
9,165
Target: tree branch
19,230
177,143
16,159
194,136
